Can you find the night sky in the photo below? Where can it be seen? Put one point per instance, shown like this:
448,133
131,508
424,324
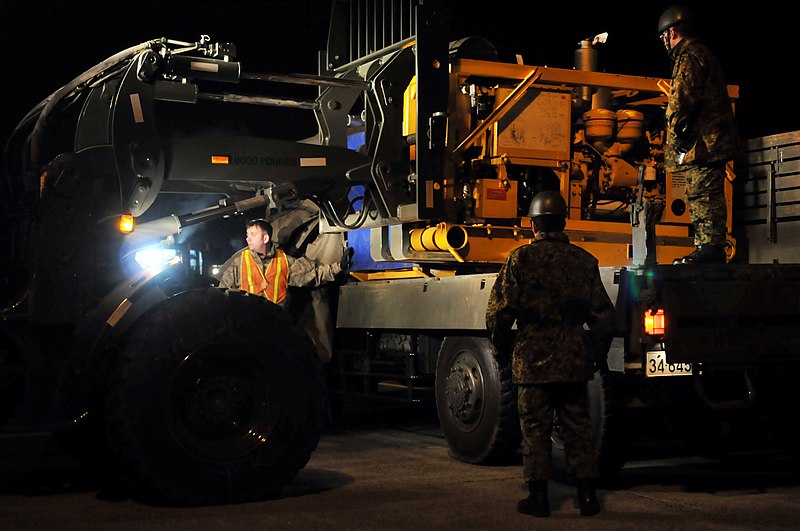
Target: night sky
52,42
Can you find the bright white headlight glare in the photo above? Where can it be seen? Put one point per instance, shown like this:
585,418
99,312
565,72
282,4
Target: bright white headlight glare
154,257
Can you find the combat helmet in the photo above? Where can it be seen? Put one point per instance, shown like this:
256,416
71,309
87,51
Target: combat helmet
672,16
548,203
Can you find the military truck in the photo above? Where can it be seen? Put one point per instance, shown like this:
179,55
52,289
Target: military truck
427,154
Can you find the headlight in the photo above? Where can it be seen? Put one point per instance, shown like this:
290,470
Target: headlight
154,257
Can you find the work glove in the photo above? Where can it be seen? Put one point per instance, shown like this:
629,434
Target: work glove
682,146
347,258
681,151
503,347
681,142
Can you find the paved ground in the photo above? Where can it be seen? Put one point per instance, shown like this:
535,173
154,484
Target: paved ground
393,473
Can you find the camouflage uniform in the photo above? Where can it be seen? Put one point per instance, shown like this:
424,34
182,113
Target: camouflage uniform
295,229
551,288
700,121
302,272
705,197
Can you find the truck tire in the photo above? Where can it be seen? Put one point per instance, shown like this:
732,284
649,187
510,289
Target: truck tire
476,402
214,399
611,438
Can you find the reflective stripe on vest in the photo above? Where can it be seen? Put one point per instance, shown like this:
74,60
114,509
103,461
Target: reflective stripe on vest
266,285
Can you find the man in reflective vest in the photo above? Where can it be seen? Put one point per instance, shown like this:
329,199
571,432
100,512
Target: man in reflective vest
263,269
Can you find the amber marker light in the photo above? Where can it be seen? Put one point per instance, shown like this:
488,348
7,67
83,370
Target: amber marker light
654,325
219,159
126,223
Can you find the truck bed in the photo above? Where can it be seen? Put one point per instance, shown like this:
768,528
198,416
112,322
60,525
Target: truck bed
731,314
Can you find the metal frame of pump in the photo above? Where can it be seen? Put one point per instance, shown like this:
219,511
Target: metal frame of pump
538,132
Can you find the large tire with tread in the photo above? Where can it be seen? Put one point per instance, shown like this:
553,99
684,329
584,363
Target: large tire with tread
476,402
215,398
612,438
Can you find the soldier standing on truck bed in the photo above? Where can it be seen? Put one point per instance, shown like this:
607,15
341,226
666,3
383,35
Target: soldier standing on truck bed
550,288
701,133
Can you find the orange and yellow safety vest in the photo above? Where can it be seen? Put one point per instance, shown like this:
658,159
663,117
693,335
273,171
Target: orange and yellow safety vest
271,284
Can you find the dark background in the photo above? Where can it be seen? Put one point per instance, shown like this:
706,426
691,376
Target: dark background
47,43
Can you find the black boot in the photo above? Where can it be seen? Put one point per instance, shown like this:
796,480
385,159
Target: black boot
536,503
587,498
705,254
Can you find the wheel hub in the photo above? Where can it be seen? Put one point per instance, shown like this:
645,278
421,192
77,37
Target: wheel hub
218,403
222,403
464,389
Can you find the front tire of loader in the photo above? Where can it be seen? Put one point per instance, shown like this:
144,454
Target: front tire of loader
214,399
476,402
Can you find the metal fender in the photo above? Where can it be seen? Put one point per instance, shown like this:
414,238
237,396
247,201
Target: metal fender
102,332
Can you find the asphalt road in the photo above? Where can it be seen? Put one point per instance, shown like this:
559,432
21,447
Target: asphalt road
390,470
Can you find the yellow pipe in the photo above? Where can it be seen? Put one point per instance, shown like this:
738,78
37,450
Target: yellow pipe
442,237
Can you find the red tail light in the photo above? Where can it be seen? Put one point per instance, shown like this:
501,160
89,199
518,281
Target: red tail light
655,324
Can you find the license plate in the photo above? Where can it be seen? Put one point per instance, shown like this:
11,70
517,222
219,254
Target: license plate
657,365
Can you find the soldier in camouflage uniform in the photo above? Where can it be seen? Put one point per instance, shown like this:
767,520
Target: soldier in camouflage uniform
550,288
701,133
